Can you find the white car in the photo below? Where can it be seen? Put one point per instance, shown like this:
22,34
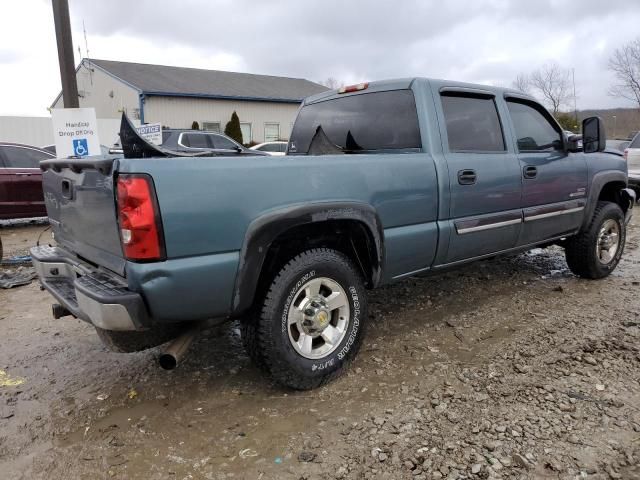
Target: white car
272,148
632,155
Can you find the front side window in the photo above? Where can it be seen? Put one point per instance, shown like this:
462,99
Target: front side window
222,142
18,157
270,147
472,123
195,140
362,122
534,130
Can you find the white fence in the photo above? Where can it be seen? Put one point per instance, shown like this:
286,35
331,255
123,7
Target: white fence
38,131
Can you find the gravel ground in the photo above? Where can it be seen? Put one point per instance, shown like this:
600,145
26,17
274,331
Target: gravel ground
512,368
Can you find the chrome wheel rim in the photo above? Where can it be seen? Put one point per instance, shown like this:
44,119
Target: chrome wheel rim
318,318
608,241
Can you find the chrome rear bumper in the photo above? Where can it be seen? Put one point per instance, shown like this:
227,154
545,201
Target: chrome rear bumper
90,294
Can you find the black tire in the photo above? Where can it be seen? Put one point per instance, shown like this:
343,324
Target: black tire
581,250
266,335
136,341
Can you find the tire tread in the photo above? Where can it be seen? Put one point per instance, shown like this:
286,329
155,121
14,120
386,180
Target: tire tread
256,331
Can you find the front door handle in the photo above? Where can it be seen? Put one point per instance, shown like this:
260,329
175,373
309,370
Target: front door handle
22,174
530,171
467,177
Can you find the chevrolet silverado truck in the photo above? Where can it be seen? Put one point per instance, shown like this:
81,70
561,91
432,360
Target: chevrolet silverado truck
382,181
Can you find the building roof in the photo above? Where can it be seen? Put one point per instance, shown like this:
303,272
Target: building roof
195,82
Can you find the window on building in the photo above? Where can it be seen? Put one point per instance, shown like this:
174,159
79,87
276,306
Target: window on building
194,140
534,130
211,127
364,122
472,123
246,132
18,157
271,132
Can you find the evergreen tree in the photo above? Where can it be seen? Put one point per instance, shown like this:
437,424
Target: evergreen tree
195,125
232,129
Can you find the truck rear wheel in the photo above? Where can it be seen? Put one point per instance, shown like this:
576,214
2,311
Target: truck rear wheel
595,252
136,341
312,320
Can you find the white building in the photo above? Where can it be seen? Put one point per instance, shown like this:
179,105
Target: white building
177,96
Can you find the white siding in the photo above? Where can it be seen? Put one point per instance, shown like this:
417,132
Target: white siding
104,93
180,112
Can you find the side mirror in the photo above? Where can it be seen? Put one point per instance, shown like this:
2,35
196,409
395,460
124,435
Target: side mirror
574,143
594,138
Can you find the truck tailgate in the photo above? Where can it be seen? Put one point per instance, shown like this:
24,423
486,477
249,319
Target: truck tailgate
80,200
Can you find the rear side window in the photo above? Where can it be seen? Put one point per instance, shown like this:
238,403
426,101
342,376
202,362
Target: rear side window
635,143
195,140
17,157
534,130
473,124
364,122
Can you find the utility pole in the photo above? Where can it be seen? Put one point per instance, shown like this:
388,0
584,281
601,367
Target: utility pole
575,101
65,53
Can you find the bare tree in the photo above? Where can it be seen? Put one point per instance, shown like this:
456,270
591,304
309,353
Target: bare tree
332,83
625,64
553,84
521,83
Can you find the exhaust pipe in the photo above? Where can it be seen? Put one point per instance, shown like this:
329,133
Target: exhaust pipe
177,349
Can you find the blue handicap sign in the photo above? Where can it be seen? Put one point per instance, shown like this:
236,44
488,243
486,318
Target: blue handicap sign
80,147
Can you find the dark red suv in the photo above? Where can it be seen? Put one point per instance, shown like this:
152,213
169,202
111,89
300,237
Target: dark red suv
21,181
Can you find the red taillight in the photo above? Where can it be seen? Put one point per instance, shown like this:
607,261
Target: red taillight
626,154
138,216
354,88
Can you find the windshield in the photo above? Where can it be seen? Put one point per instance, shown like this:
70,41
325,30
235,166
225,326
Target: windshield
364,122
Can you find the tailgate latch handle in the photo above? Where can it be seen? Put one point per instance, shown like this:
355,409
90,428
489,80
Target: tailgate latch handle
67,189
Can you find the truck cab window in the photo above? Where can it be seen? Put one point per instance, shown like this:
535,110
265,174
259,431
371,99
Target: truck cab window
472,123
534,130
362,122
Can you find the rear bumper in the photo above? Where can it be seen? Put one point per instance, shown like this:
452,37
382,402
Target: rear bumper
92,295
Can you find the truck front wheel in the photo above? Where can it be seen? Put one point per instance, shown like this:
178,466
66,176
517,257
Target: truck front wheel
312,320
595,252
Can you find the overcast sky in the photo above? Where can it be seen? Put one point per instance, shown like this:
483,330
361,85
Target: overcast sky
476,41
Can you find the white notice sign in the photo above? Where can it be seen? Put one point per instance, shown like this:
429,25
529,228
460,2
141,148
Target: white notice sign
151,132
75,131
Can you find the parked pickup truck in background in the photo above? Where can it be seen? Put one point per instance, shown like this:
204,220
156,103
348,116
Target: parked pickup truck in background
382,181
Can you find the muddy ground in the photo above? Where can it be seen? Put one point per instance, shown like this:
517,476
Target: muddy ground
512,368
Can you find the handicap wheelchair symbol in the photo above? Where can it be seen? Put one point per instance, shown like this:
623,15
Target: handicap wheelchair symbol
80,147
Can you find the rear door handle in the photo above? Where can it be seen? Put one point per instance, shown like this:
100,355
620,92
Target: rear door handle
467,177
530,172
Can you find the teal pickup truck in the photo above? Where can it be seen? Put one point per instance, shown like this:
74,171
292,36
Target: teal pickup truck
382,181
